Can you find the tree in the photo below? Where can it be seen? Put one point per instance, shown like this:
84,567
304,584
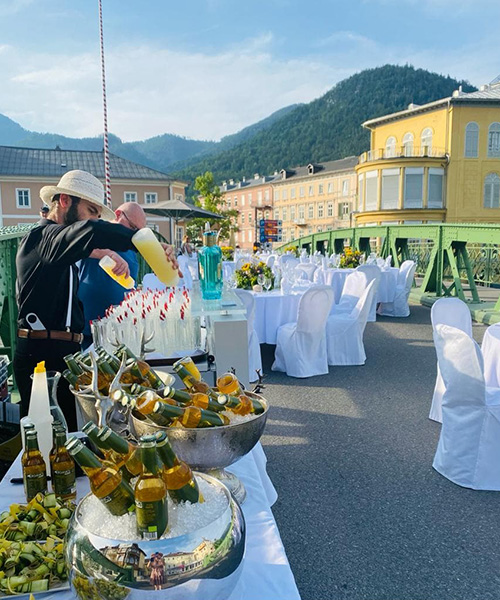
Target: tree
210,198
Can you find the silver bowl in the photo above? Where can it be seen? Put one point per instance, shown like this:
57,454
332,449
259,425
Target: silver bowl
211,449
206,563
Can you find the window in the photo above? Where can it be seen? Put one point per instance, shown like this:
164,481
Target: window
494,140
249,198
284,214
319,229
302,211
153,226
330,187
301,191
179,197
390,188
229,202
235,201
435,199
320,188
284,194
249,218
311,190
320,210
266,195
371,190
471,140
276,214
329,209
242,199
276,195
242,236
414,188
491,191
292,193
250,235
345,187
23,198
343,210
360,191
390,147
259,198
310,211
292,212
242,218
130,197
426,141
151,198
179,234
408,144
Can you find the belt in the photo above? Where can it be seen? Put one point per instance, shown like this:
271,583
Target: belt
44,334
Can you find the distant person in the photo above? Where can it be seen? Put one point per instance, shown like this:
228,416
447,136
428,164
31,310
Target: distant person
186,247
97,291
256,247
44,211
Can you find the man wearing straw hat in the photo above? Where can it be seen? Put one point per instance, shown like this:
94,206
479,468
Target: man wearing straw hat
50,320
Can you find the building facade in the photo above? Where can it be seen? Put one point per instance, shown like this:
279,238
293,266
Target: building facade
434,163
24,171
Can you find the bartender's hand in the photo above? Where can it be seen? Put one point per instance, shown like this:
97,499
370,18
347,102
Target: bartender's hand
121,267
170,254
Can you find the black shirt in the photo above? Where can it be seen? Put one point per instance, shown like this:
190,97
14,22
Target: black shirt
44,259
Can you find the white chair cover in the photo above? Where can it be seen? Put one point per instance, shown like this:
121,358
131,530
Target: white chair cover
319,276
354,287
344,332
388,262
307,268
469,444
187,279
301,346
400,307
380,262
454,312
373,273
490,348
254,356
287,261
270,260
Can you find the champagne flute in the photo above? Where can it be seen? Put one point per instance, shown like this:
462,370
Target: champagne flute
261,279
268,283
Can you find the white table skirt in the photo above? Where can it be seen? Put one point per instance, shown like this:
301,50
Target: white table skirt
266,572
386,289
273,309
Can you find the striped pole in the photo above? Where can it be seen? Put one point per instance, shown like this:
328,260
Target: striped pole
107,173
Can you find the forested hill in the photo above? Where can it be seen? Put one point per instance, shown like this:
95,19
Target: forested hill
328,128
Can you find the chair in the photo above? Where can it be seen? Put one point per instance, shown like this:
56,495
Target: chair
399,307
307,268
301,346
319,276
354,287
469,444
454,312
344,332
270,260
374,273
388,262
254,357
491,355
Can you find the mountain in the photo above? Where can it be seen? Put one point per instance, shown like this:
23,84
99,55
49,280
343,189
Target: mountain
328,128
159,152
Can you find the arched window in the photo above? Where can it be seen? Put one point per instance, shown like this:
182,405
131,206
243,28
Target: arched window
408,144
491,191
426,141
494,140
471,140
390,147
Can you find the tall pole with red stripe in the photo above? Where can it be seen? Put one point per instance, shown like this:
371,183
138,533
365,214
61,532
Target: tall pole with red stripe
105,112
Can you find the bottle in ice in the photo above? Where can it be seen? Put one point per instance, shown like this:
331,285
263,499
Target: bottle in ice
150,493
140,369
146,402
62,467
177,475
121,450
242,404
190,417
192,384
34,468
229,384
106,483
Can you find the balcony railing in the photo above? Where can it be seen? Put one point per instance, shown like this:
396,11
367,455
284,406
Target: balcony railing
402,152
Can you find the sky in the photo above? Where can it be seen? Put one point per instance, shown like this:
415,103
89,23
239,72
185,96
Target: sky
204,69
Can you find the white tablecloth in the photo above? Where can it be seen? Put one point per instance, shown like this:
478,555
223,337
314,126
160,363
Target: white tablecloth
266,573
386,289
272,309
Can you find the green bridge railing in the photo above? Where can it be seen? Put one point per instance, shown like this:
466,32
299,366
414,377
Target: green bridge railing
452,259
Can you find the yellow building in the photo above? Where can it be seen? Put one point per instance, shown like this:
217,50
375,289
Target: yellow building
434,163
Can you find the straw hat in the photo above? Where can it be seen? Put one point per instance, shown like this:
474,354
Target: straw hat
82,185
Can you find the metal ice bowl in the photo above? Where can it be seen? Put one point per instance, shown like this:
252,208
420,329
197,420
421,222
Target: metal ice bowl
206,563
211,449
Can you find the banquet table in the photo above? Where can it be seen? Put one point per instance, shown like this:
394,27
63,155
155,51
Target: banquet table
273,309
386,289
266,572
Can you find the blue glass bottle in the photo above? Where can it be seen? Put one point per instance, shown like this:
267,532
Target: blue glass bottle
210,267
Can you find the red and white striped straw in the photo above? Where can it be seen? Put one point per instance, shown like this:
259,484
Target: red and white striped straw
107,172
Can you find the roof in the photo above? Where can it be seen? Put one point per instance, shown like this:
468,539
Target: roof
35,162
486,94
311,170
249,183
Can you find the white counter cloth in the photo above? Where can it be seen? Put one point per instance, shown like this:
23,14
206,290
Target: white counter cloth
266,572
272,310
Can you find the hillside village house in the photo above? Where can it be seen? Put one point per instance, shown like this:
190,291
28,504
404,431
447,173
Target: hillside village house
23,171
439,162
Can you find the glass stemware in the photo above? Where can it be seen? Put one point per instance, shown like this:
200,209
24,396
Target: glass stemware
261,279
268,283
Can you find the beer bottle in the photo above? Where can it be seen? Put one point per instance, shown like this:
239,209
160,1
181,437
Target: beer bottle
121,450
147,400
150,493
190,417
62,467
106,483
192,385
241,405
188,363
140,368
34,468
229,384
177,475
55,425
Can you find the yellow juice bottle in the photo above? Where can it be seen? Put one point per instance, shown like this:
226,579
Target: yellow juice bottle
152,252
108,264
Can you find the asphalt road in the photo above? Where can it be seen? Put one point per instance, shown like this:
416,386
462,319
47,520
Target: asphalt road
361,512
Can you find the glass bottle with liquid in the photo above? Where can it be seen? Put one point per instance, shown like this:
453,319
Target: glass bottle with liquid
62,468
34,467
210,267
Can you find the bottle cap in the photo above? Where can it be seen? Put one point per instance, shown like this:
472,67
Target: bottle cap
40,367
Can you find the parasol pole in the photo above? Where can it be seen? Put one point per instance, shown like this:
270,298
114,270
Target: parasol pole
107,173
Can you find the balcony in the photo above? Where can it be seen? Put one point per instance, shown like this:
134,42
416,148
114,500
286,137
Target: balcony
300,222
402,152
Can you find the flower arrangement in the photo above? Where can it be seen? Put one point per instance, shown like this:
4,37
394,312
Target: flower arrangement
227,252
293,249
246,277
350,259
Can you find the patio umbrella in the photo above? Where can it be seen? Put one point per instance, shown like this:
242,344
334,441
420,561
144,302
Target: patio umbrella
178,210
